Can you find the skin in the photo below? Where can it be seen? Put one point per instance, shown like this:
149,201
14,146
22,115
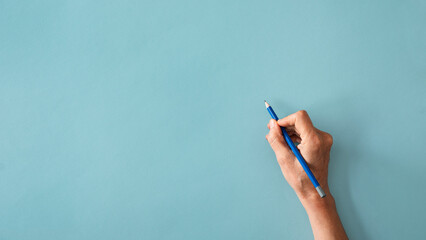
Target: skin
314,145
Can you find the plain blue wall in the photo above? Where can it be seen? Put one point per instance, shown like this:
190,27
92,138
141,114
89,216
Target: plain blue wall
145,119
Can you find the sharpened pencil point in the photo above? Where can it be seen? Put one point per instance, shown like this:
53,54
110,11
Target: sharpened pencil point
266,104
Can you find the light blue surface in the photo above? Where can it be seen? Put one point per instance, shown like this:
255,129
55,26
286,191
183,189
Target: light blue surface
145,119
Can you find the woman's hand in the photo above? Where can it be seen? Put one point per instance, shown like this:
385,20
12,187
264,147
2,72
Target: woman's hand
314,145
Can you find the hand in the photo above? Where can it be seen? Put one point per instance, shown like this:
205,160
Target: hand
313,144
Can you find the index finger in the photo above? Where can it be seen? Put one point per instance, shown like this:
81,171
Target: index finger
300,121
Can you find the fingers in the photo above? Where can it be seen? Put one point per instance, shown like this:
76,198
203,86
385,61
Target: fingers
292,134
276,140
295,139
299,121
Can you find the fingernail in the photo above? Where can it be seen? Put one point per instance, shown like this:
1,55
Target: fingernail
272,123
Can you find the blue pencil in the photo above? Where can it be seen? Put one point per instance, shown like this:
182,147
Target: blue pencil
297,154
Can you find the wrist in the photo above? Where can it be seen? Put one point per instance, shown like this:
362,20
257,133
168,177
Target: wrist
309,193
314,202
325,221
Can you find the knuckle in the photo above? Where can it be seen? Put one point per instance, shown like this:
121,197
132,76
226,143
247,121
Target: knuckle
328,139
269,137
302,113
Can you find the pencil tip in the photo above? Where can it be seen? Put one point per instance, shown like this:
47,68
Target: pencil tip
266,104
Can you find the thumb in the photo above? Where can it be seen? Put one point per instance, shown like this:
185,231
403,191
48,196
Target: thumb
276,140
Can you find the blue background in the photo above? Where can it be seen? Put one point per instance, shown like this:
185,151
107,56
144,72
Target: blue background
145,119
